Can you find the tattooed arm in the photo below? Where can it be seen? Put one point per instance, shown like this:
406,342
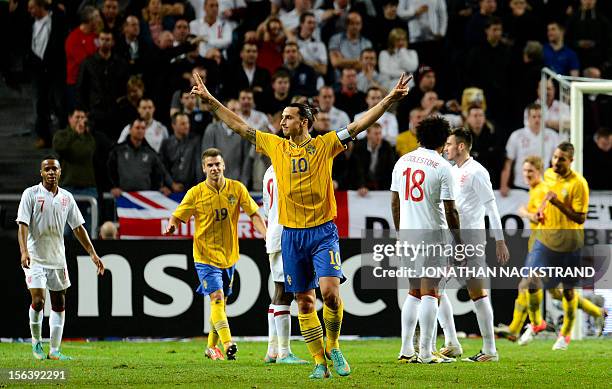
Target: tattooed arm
226,115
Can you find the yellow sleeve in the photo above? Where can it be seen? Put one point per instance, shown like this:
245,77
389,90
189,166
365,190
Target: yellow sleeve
187,207
580,197
246,201
266,143
333,144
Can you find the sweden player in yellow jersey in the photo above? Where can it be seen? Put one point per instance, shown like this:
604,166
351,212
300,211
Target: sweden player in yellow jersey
307,207
215,204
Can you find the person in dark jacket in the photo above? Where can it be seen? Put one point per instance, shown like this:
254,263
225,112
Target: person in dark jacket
180,154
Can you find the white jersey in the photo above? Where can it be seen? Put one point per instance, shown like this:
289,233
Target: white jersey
155,134
256,119
523,143
472,188
270,207
422,179
46,216
388,123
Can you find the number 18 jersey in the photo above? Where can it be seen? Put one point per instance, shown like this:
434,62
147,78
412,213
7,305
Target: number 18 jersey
422,178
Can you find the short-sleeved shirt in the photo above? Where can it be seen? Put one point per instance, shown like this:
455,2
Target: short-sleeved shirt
423,180
350,49
561,61
270,208
472,187
216,213
523,143
303,172
46,216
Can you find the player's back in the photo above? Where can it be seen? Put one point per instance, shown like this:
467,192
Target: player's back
422,179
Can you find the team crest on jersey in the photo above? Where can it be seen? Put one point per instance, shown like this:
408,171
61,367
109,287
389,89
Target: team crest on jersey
310,149
64,202
232,200
204,284
463,178
289,280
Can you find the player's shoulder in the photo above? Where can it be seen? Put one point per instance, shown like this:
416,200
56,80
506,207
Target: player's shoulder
31,190
579,180
64,192
235,185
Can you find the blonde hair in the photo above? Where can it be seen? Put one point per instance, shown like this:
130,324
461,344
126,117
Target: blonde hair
395,35
535,161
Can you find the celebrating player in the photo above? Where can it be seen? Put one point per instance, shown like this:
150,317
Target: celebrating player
310,245
421,181
43,212
279,316
474,197
215,204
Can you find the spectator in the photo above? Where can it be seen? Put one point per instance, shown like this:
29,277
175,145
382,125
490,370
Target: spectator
338,118
128,104
133,165
474,31
180,154
155,132
181,32
523,143
304,79
433,106
47,65
598,159
156,18
291,19
385,22
373,159
102,78
407,140
350,99
597,107
557,55
524,85
397,58
313,51
557,113
387,122
346,47
79,45
236,151
589,33
521,25
368,77
247,75
322,125
279,97
110,17
486,147
199,118
132,47
254,118
108,231
271,38
425,82
214,32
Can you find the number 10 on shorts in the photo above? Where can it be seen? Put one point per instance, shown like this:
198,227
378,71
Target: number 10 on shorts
334,259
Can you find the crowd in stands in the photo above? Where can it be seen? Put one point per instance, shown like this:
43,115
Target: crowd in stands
115,76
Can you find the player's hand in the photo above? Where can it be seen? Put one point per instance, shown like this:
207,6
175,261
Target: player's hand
25,260
116,192
503,255
504,190
401,88
200,89
170,229
98,262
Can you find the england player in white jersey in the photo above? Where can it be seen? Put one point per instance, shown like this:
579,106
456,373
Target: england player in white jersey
43,213
421,183
474,198
279,315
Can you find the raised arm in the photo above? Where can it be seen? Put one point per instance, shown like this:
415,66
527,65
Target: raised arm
226,115
373,114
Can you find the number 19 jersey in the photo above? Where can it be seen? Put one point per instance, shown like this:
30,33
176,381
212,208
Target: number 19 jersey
423,179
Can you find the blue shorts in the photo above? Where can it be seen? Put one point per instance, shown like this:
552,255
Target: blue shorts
213,278
542,256
310,253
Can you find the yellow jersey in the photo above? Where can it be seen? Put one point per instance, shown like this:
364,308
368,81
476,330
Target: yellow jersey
406,142
304,175
560,233
536,196
216,213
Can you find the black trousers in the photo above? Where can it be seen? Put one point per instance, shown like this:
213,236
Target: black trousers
48,95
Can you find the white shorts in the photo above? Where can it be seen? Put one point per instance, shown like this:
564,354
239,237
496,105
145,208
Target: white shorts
38,277
276,267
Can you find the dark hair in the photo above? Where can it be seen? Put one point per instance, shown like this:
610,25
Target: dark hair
291,44
176,115
390,2
46,4
603,132
463,135
566,147
146,98
432,132
367,50
281,73
304,16
246,90
306,112
50,156
373,88
211,152
557,23
492,21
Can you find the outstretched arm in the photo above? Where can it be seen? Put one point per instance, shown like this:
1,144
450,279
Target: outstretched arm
226,115
373,114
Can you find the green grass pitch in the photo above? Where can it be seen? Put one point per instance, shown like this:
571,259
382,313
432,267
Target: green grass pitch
586,364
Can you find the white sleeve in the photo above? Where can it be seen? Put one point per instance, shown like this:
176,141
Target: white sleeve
124,134
442,17
409,60
26,206
484,190
322,54
511,149
384,64
75,218
446,184
395,181
392,129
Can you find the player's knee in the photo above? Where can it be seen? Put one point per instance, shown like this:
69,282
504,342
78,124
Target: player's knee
476,294
306,303
331,300
217,295
415,293
38,303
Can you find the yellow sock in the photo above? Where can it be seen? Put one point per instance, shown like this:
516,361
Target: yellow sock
333,322
569,315
213,336
520,312
219,319
313,335
535,301
588,307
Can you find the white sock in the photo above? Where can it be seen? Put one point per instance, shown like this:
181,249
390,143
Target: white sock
410,313
282,319
447,321
36,319
434,337
272,339
484,314
427,320
56,324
